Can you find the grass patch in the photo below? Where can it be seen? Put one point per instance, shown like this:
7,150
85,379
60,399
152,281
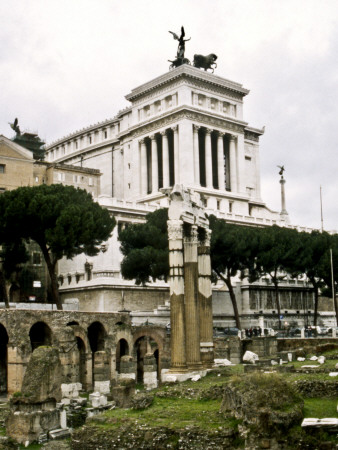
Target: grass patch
173,413
320,408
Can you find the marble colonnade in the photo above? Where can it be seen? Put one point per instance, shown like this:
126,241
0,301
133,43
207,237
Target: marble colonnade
160,160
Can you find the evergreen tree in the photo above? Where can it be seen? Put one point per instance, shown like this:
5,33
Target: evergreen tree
62,220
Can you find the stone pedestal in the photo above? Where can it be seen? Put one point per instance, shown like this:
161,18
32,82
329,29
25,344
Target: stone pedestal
150,372
127,368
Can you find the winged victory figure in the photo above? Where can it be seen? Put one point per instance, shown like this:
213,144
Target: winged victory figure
281,170
15,126
181,43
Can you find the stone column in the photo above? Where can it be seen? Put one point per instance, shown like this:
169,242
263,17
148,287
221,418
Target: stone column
177,312
233,164
191,300
154,164
165,154
205,301
176,155
208,159
196,156
220,162
143,168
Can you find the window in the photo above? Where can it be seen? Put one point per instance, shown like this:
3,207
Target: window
75,178
248,158
91,181
2,168
89,139
218,205
105,134
61,176
36,258
230,207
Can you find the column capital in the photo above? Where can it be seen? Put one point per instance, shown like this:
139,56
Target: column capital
152,137
196,128
193,237
221,134
142,141
208,131
175,128
163,133
175,229
232,137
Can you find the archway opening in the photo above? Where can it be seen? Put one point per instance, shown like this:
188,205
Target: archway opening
3,360
73,322
82,361
143,346
40,334
122,349
96,337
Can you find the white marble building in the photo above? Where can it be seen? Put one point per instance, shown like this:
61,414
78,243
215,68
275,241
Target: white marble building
184,127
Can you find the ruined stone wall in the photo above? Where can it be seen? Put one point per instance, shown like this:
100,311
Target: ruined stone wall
64,330
110,299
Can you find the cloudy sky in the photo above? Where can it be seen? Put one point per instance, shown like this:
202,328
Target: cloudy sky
66,64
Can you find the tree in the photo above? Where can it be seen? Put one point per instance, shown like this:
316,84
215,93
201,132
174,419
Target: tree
145,249
276,252
232,250
313,260
12,256
62,220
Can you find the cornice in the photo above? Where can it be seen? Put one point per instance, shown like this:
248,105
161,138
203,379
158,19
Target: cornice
191,73
194,114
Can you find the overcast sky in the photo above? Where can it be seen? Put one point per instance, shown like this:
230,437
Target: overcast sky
66,64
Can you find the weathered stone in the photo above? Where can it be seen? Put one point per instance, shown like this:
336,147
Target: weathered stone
264,402
42,380
142,401
250,357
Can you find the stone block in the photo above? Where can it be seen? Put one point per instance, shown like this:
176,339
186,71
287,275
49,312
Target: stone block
102,386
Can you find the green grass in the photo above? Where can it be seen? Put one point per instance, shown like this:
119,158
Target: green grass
173,413
320,408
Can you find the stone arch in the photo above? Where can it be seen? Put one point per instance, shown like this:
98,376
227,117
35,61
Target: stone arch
122,349
82,362
156,344
97,340
96,336
3,360
84,354
40,334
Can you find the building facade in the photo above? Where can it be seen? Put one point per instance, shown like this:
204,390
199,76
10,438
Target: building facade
184,127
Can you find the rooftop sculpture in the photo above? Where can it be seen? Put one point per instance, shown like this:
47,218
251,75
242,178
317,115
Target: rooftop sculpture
200,61
180,59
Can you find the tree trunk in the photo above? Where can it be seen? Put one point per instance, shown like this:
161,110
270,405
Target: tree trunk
3,290
53,278
315,312
277,303
227,281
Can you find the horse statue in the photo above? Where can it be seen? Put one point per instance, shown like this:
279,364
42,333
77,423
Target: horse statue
178,62
205,62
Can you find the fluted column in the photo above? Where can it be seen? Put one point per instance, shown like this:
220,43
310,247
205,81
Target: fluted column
154,164
193,354
177,310
196,156
220,162
165,155
143,168
208,158
233,164
205,301
176,155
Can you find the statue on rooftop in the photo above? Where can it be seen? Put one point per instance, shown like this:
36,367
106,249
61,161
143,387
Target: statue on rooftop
180,59
15,126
